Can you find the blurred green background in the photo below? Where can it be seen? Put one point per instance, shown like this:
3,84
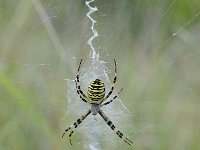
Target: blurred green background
156,45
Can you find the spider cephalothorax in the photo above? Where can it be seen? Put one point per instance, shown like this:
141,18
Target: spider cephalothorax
95,97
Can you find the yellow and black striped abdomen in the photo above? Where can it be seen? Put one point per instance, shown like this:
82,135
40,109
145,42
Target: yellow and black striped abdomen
96,91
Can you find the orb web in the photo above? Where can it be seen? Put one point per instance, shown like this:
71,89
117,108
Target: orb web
93,127
158,41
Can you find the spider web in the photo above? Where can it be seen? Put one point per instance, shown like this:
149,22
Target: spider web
156,45
93,129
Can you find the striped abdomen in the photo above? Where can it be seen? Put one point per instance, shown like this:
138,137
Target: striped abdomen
96,91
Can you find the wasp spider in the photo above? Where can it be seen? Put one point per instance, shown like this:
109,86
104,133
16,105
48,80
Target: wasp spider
95,97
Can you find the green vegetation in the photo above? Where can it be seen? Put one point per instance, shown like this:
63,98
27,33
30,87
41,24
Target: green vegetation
156,45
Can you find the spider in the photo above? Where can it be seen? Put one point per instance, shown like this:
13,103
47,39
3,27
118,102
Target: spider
95,97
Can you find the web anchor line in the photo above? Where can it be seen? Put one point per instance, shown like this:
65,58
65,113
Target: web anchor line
95,33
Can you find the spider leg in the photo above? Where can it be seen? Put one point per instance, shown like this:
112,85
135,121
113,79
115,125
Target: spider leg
78,87
75,125
114,80
78,92
106,103
112,126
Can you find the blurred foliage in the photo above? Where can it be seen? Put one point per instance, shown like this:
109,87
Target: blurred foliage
156,44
